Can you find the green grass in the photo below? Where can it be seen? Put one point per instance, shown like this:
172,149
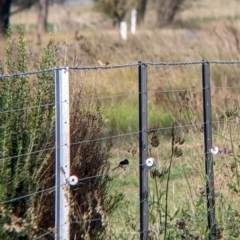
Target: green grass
122,116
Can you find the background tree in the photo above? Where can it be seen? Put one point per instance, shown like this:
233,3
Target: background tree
141,10
114,9
5,12
42,6
167,10
5,6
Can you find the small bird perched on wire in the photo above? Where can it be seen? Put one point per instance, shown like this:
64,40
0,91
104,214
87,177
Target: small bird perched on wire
123,164
103,62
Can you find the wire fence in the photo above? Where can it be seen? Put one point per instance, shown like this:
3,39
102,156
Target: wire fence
189,139
128,65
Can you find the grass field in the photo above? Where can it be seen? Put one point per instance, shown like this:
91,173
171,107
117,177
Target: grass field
202,30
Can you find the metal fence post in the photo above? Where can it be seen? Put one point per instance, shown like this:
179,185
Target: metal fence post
207,147
143,150
62,154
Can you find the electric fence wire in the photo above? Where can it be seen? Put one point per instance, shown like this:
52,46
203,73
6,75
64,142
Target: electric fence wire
139,202
44,234
86,99
72,101
97,176
153,230
111,97
27,108
199,124
226,87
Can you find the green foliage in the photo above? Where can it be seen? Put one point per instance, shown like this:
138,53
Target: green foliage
22,137
27,152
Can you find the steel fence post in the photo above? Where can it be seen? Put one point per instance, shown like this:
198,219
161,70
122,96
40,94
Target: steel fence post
207,147
143,150
62,154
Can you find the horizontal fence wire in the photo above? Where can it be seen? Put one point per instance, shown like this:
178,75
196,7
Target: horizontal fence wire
187,219
107,174
28,195
171,224
105,97
127,65
44,234
29,153
226,87
199,124
24,74
27,108
113,96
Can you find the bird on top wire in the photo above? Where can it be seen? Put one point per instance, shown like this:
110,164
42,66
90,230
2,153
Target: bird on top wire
103,62
123,164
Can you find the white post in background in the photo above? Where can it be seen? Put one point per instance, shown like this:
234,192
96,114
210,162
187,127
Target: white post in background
123,30
133,21
62,154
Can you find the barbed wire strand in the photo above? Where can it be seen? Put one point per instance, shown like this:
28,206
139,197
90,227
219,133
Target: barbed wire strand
184,63
127,65
187,63
216,62
28,73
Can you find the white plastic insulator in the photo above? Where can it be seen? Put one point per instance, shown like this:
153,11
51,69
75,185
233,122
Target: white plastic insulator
150,162
214,150
73,180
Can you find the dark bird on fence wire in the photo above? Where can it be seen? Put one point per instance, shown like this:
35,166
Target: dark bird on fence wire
123,164
103,62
